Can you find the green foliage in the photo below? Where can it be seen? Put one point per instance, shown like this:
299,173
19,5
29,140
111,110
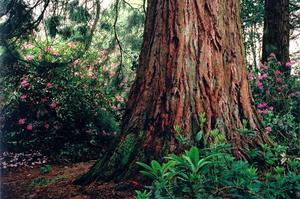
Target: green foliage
276,96
42,181
143,195
61,108
52,25
45,169
215,173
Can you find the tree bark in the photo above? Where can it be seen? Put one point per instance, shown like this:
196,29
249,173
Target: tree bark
191,62
276,35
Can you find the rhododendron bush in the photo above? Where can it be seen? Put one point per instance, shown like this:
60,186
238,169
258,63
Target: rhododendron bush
276,93
59,104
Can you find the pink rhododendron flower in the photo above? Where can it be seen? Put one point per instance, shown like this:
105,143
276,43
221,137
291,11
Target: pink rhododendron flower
53,105
258,111
259,85
272,56
279,80
46,125
119,98
268,129
29,127
76,62
262,67
294,94
49,85
23,97
250,77
278,72
72,45
265,111
24,83
27,45
262,76
289,64
28,58
21,121
271,108
261,105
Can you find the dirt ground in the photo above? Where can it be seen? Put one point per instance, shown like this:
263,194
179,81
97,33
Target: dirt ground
30,183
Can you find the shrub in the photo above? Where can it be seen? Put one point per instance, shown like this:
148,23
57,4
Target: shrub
214,173
56,106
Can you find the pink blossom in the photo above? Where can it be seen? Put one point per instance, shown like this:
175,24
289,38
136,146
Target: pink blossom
28,45
55,52
259,85
250,76
278,72
23,97
272,56
294,94
29,127
291,95
258,111
271,108
53,105
21,121
262,76
289,64
52,51
268,129
265,111
119,98
46,125
261,105
72,45
24,83
278,80
262,67
76,62
49,85
28,58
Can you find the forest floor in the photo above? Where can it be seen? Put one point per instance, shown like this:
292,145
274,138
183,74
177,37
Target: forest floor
30,183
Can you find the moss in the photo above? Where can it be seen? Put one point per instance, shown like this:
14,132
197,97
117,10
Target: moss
125,150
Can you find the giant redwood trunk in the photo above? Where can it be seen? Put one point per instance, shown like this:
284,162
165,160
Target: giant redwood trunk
276,35
191,62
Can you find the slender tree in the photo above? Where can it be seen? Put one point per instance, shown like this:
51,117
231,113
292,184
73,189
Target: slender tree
191,62
276,35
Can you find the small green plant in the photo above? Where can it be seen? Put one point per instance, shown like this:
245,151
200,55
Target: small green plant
179,136
42,181
245,131
214,173
161,174
200,134
217,136
142,194
45,169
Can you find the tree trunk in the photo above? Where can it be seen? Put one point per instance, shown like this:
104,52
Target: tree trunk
276,35
191,62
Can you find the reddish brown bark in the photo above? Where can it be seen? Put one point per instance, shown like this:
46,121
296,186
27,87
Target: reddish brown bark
191,62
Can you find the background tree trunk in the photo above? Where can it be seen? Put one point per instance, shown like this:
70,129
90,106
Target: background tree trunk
276,35
191,62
